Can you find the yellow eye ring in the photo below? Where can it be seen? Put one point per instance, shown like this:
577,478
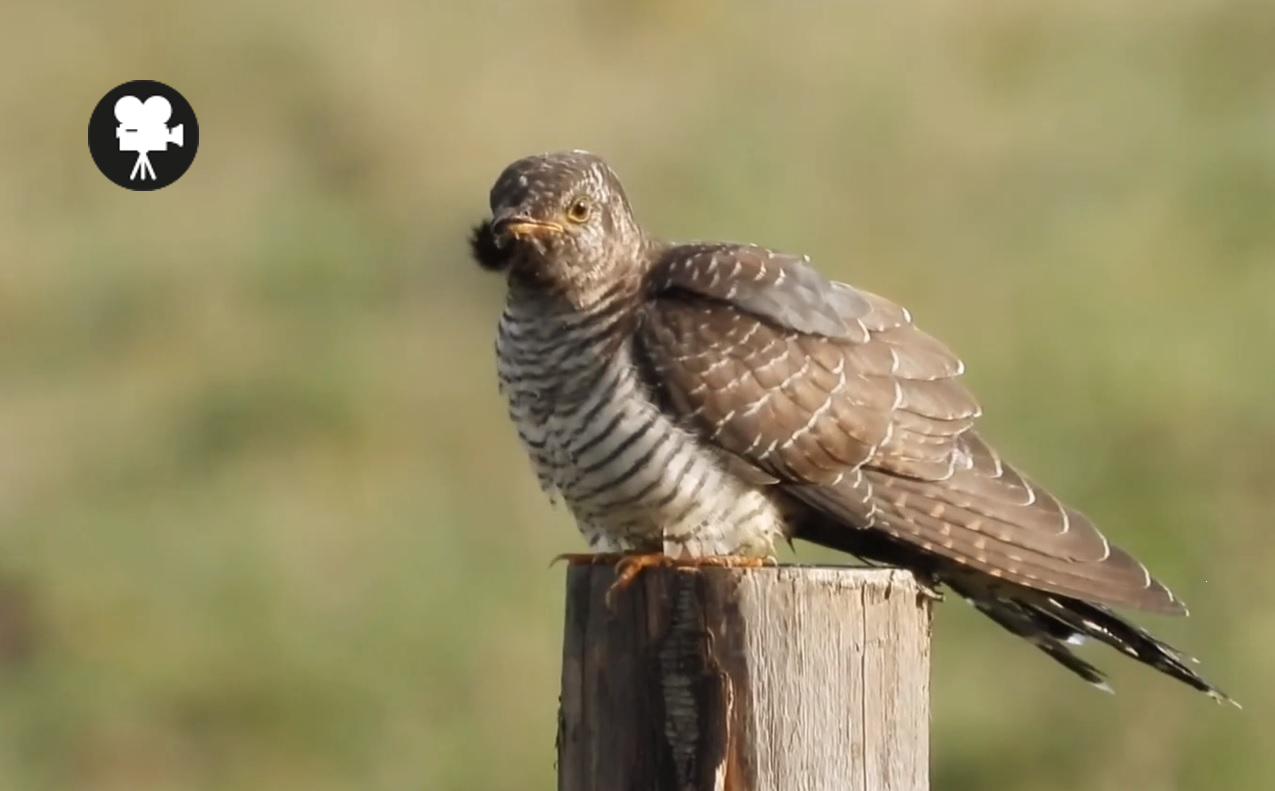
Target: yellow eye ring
579,210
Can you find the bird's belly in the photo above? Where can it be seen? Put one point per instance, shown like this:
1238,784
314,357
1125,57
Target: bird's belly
635,481
663,492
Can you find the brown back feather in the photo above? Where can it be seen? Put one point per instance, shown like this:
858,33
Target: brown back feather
867,421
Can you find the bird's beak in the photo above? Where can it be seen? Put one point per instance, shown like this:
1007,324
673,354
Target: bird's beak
521,226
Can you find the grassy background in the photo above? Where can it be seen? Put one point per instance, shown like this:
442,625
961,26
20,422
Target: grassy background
263,524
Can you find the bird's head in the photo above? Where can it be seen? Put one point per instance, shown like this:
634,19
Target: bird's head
560,221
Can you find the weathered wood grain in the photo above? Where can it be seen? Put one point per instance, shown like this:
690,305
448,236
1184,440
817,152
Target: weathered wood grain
789,678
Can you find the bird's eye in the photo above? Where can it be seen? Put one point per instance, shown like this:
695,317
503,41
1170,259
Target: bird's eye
579,210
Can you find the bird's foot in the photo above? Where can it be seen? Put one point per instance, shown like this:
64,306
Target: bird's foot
727,561
630,566
588,558
929,587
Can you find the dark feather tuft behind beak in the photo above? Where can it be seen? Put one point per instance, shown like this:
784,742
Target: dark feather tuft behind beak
486,249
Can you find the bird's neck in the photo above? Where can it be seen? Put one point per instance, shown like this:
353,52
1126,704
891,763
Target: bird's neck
582,292
551,305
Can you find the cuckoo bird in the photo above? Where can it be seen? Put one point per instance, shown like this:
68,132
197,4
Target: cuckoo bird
698,402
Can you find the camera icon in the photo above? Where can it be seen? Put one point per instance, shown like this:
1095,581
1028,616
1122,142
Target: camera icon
144,128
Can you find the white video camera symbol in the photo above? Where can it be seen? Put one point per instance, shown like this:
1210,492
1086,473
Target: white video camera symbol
144,128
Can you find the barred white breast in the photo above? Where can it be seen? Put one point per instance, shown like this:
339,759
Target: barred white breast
633,479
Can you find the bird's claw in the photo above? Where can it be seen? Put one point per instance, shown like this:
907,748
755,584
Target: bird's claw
929,587
630,566
587,558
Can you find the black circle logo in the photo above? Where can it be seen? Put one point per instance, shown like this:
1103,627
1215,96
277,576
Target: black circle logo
143,135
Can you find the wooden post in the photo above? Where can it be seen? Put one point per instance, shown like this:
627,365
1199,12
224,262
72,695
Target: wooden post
789,678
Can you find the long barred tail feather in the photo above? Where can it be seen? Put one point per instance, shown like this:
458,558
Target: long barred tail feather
1056,623
1053,623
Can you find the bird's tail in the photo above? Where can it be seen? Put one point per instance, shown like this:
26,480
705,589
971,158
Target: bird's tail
1056,623
1053,623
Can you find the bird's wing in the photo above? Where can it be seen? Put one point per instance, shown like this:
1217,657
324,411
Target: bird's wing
834,392
779,287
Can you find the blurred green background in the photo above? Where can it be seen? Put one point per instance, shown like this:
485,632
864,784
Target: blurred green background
263,523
